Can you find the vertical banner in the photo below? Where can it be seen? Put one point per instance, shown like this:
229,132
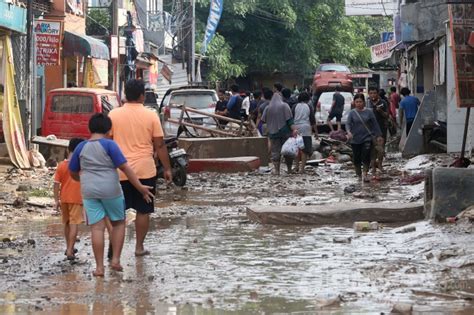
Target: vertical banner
462,24
215,13
48,42
12,126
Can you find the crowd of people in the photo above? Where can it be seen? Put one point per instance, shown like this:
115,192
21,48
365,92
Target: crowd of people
130,139
280,113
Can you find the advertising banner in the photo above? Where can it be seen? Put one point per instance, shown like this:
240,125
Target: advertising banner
215,13
382,51
12,124
48,42
387,36
462,25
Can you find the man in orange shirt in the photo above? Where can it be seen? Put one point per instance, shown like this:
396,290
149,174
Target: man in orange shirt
67,194
138,132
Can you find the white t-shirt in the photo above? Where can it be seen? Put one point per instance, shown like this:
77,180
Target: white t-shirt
246,105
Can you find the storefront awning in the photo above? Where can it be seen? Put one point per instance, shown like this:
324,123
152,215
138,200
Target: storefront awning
83,45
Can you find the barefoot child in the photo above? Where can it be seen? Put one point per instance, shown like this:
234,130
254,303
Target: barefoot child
95,163
67,195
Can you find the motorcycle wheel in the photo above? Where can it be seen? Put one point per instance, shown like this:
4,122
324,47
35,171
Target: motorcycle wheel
179,176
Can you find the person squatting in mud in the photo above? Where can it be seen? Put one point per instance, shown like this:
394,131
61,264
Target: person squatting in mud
363,131
94,163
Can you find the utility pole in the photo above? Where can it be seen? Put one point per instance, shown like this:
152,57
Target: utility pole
193,41
115,31
29,72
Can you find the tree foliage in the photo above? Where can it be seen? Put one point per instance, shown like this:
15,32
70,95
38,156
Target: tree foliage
219,61
98,22
289,35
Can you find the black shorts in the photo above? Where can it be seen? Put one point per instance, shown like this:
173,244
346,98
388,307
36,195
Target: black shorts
134,199
337,115
308,145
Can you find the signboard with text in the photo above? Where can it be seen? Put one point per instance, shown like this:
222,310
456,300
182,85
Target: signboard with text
371,7
382,51
12,17
462,25
48,42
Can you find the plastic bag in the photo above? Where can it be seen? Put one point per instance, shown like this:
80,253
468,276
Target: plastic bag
300,142
291,147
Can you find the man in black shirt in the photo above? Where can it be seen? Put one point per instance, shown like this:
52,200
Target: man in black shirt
380,109
336,110
221,106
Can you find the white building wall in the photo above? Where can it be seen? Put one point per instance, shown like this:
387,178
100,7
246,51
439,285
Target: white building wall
456,116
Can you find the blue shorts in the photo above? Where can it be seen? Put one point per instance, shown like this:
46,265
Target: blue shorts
97,209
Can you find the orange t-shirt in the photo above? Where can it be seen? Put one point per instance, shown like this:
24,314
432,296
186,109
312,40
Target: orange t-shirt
70,189
133,128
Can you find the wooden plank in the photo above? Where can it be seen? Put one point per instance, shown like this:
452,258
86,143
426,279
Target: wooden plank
219,132
193,110
342,213
55,143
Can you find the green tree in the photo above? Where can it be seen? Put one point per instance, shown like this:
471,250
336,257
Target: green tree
99,22
219,61
290,35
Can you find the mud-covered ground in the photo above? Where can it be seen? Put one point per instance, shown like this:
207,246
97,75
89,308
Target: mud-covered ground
207,258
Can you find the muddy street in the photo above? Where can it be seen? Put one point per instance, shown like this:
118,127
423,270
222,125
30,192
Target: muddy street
208,258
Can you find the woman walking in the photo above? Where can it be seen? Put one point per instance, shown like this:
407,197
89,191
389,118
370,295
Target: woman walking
362,129
305,122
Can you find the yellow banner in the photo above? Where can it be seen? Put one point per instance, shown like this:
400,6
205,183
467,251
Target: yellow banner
12,127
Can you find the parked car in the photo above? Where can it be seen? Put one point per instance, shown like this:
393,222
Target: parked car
200,98
68,110
151,101
330,75
324,106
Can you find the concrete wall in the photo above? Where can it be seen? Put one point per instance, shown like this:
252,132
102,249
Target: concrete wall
456,117
208,148
423,20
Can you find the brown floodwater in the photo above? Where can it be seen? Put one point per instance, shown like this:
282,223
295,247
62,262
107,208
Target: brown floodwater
207,258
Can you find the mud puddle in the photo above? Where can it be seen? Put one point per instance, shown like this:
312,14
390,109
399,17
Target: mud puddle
206,265
208,259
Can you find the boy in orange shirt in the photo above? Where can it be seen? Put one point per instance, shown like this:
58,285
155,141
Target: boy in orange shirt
67,195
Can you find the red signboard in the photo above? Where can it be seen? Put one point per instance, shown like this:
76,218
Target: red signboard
462,25
48,42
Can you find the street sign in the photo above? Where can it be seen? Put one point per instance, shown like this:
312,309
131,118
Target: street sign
48,36
382,51
462,26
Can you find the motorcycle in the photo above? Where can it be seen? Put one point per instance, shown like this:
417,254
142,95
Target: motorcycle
178,160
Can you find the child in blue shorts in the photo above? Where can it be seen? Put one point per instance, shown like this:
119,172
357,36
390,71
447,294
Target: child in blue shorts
95,164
